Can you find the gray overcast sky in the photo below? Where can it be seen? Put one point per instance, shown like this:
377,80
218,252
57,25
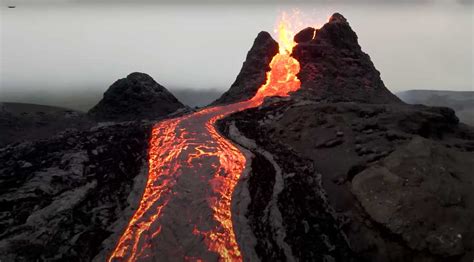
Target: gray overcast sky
79,45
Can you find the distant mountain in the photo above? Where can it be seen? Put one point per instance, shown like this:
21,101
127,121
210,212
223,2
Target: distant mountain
196,97
24,122
135,97
84,100
461,101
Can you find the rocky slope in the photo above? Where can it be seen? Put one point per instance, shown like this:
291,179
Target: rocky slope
135,97
253,72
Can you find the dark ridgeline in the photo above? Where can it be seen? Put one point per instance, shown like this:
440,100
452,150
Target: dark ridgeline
135,97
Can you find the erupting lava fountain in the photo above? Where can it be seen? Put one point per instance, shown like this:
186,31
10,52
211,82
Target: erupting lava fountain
185,210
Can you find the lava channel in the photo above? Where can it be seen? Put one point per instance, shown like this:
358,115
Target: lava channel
185,210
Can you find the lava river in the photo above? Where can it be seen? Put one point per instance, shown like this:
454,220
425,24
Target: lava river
185,210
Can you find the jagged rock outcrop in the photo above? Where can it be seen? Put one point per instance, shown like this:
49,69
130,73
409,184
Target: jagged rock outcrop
334,67
253,72
135,97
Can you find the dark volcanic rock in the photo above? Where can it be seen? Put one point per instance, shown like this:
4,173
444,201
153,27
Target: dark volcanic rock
334,68
60,198
400,181
422,193
253,72
305,35
288,211
135,97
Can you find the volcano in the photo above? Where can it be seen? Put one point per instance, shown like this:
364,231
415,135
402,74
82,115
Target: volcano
307,157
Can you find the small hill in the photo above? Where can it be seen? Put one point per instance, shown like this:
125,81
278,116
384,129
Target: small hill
136,97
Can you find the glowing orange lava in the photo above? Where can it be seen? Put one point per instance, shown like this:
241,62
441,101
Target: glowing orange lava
185,210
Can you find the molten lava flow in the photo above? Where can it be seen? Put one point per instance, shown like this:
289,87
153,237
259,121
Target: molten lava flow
281,79
185,210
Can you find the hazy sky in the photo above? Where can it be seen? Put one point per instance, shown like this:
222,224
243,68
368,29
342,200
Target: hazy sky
76,46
